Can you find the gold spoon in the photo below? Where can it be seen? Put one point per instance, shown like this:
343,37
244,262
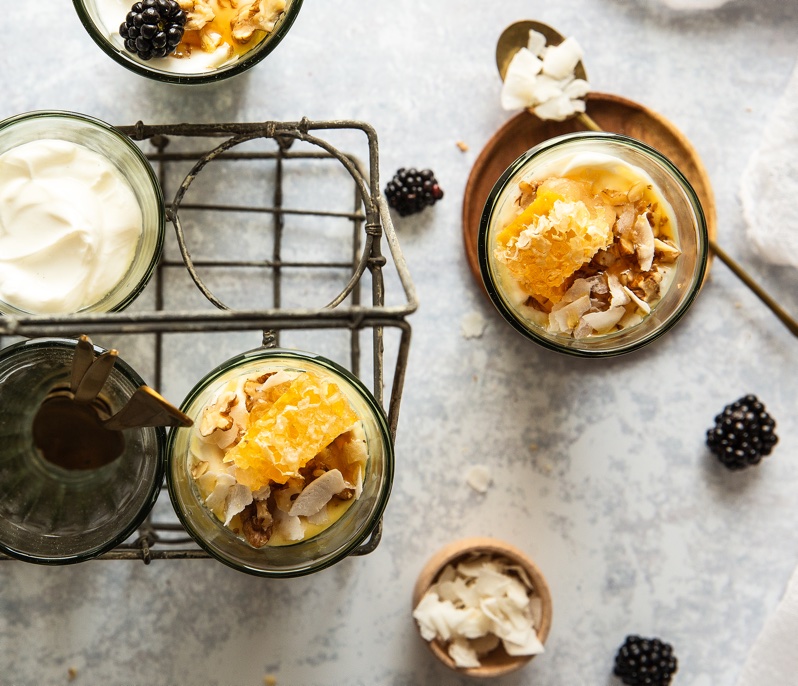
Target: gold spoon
515,37
147,408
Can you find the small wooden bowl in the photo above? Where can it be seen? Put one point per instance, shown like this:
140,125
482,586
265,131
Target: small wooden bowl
497,662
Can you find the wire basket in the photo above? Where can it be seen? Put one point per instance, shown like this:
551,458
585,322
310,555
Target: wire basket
298,244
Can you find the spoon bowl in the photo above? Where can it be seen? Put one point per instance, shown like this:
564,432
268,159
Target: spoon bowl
516,36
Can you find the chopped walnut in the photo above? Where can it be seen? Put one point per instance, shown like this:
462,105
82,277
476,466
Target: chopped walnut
217,417
257,15
257,523
199,13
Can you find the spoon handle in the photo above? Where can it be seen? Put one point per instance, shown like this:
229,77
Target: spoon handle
741,274
94,379
81,361
588,122
146,407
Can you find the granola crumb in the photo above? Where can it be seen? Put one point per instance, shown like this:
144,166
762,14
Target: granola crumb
463,146
270,680
72,673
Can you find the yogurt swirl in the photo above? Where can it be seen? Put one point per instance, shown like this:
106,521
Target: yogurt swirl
69,227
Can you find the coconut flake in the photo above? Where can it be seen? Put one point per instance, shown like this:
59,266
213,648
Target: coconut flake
642,304
643,236
475,606
318,493
519,81
536,43
479,478
564,319
463,654
472,325
604,321
238,497
290,528
560,60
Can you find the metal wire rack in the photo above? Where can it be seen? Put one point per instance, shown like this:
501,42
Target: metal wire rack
357,308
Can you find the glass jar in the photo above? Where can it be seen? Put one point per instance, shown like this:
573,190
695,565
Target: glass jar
548,160
310,554
118,149
51,513
102,18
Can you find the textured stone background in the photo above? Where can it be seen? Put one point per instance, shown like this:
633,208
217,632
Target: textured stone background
636,528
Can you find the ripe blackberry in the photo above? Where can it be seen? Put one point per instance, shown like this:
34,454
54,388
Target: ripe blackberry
743,433
645,662
410,191
153,28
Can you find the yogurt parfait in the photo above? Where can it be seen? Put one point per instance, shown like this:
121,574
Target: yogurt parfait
288,465
81,216
187,41
592,243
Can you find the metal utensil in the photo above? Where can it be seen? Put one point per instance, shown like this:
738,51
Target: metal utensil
146,407
515,37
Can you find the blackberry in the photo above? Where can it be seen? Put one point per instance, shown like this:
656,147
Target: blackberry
743,433
645,662
410,191
153,28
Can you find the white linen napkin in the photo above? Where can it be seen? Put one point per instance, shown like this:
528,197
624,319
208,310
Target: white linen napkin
769,185
694,4
773,659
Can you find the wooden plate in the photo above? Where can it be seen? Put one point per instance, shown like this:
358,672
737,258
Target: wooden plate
613,114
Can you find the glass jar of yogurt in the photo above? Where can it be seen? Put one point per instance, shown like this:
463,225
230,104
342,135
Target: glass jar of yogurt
220,39
288,466
81,216
592,244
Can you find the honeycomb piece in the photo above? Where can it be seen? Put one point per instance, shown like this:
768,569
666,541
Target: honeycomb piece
304,420
556,235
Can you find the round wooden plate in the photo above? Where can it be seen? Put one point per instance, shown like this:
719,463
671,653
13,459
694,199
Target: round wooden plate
613,114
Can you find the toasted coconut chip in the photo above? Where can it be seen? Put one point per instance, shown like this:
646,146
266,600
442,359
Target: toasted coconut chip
618,296
285,496
560,60
518,91
536,43
602,322
566,318
218,494
577,89
556,109
530,646
668,251
643,236
477,604
642,304
238,497
290,528
320,518
463,654
318,493
479,478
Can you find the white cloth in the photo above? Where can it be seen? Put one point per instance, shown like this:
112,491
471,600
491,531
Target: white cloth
773,660
694,4
769,185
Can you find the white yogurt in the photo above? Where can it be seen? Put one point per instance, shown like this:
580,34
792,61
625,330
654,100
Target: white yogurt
69,227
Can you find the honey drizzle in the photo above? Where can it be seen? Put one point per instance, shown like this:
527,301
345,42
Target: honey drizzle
222,24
